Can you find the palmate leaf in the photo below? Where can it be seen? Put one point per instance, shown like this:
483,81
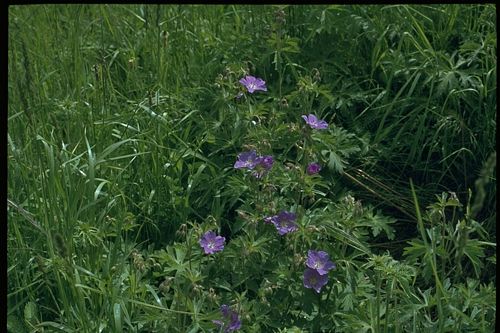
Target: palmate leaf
337,146
173,258
416,250
474,250
334,161
448,81
419,253
340,146
378,223
348,300
30,314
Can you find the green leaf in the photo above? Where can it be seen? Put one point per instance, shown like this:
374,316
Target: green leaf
416,250
30,314
335,162
14,325
196,327
378,223
473,249
117,315
155,295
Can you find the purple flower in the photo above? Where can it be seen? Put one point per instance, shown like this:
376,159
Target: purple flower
312,279
212,243
319,261
284,222
312,121
247,160
313,168
263,165
250,160
253,83
231,320
266,162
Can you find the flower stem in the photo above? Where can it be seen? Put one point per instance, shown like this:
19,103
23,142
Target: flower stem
316,323
329,293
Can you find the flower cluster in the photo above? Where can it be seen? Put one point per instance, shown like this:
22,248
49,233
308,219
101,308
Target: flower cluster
316,274
251,161
212,243
284,222
231,321
318,263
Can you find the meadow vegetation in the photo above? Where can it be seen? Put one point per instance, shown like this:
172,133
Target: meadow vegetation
151,190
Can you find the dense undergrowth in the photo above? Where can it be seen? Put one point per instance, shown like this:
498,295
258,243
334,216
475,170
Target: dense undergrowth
125,123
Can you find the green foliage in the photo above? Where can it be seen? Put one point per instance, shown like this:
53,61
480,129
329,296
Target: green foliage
124,124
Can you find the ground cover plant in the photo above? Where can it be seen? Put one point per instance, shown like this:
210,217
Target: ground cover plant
223,168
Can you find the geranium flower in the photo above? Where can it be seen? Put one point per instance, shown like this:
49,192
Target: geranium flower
319,261
313,168
284,222
312,121
312,279
263,165
253,83
247,160
266,162
212,243
231,321
251,161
